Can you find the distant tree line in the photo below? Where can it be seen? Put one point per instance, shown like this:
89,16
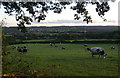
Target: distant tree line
63,36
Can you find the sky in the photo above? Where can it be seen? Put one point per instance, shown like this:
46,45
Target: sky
66,18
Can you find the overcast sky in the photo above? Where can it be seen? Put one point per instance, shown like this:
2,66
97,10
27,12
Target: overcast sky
66,18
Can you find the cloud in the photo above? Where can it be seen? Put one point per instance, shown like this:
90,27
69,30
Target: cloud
76,23
60,21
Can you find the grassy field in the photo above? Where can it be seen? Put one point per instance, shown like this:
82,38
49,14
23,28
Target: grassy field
74,60
42,40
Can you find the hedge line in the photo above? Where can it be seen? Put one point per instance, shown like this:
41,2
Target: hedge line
93,42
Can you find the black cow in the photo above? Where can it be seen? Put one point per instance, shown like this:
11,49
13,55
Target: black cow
63,48
85,45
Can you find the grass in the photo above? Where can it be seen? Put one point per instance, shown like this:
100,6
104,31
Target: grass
42,40
73,61
38,40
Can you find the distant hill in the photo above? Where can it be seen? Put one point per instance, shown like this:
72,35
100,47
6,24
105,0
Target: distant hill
62,33
63,29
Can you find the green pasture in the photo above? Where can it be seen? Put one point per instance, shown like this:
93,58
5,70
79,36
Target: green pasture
42,40
74,60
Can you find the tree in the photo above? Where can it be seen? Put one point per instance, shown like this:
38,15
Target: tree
3,38
37,10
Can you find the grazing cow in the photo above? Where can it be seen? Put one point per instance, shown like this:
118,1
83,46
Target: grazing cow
24,49
85,45
97,51
112,48
21,49
63,48
51,44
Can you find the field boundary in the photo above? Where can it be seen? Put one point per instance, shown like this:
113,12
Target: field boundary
102,42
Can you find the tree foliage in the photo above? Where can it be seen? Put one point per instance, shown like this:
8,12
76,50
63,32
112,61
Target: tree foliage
37,10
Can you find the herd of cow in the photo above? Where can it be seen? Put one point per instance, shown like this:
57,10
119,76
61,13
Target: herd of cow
22,49
54,45
93,50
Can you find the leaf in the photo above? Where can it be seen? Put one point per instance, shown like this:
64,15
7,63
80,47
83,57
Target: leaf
96,9
31,19
38,20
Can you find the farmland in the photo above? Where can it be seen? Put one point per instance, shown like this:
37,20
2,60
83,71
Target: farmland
68,58
74,60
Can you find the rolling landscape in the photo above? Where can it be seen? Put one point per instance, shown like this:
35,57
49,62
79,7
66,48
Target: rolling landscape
59,39
60,51
62,33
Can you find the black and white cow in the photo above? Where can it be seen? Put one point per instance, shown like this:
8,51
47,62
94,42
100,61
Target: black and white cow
25,49
97,51
22,49
112,48
51,44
